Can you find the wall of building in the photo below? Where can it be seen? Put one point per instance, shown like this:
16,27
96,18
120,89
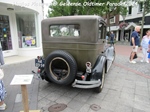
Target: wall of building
135,14
134,18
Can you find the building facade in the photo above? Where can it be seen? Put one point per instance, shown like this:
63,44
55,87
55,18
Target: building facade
133,18
114,24
20,27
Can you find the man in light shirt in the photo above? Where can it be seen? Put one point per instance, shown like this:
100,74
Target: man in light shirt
144,46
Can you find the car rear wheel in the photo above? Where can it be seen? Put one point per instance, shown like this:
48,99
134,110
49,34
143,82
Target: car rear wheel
99,89
61,68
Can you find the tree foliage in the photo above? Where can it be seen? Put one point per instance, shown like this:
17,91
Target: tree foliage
62,9
147,7
86,7
146,10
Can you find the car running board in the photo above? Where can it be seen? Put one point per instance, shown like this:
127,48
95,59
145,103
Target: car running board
109,65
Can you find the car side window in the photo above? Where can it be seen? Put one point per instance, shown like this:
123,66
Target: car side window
65,30
102,31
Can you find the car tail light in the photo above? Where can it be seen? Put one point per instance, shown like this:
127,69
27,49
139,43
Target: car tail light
39,70
82,77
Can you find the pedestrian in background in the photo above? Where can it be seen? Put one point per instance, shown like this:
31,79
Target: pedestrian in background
107,36
2,88
135,40
149,51
112,37
2,91
1,55
145,45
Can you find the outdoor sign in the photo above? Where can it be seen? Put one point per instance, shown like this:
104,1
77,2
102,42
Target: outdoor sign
22,80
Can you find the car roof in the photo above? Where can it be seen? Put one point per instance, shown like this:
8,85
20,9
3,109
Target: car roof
75,17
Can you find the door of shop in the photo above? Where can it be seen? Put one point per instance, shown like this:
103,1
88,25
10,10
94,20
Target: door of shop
5,34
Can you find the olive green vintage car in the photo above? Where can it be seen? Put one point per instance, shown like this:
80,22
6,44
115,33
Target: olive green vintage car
75,51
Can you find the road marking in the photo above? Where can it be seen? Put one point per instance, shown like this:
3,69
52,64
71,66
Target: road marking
132,70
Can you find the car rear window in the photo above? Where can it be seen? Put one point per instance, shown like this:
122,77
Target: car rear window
65,30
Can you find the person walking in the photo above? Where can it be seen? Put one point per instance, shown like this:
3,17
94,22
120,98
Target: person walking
2,88
107,37
112,37
148,51
135,40
2,91
144,46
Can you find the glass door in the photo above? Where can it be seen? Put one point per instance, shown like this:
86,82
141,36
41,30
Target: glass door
5,35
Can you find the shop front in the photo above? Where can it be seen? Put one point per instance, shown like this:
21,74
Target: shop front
20,30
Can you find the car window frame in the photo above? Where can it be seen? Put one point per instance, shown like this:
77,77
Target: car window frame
69,36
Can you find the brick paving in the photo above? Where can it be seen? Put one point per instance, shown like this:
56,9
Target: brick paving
12,91
126,89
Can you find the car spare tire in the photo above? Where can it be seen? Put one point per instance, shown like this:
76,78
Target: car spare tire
61,67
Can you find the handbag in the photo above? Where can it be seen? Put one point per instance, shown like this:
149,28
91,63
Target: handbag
135,56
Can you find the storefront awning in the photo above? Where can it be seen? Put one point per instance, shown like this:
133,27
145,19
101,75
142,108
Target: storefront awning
131,25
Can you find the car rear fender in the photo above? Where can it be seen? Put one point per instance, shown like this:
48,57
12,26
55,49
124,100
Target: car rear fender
98,67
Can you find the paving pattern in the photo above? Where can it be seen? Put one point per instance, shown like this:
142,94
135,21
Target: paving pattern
125,90
13,91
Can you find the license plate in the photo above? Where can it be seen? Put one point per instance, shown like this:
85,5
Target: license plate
39,63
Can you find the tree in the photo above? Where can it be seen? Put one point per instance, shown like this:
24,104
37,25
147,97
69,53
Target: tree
66,7
85,7
109,9
123,13
146,10
106,8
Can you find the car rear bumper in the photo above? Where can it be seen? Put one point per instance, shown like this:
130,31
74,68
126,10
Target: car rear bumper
86,84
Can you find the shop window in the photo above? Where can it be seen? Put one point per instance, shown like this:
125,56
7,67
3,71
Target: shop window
112,20
64,30
26,30
140,6
5,35
130,10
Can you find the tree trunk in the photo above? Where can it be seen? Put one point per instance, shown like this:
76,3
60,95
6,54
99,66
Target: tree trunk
141,34
122,30
109,20
122,34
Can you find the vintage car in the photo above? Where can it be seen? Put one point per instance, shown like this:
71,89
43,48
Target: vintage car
75,51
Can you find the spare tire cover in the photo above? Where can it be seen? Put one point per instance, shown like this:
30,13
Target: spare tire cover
60,67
